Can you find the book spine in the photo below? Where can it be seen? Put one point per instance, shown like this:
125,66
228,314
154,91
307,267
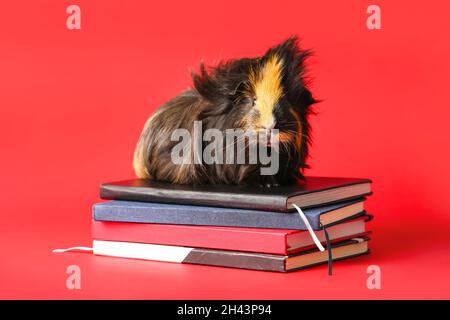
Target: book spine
202,216
191,236
244,201
190,255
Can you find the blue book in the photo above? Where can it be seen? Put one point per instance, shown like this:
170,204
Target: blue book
148,212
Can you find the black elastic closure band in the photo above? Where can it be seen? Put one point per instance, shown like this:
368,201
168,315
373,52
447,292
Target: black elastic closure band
330,255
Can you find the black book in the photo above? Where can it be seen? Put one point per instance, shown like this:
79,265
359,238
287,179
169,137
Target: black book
312,192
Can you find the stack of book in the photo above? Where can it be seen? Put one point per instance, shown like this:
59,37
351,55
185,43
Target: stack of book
233,226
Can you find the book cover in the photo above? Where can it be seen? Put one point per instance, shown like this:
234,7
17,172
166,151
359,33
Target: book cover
275,241
312,192
234,259
147,212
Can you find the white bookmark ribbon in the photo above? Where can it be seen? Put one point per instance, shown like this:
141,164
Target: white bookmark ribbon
310,229
87,249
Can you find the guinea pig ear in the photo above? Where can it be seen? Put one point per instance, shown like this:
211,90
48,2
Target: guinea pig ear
237,88
221,84
216,86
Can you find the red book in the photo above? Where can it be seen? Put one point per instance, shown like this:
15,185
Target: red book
275,241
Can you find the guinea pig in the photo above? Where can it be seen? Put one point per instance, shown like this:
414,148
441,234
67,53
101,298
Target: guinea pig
265,94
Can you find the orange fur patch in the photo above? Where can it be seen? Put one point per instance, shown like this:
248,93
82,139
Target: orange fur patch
268,90
298,138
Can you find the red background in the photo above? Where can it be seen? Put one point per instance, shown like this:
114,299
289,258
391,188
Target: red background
73,102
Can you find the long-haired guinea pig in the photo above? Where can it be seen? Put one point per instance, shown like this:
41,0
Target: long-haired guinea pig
262,94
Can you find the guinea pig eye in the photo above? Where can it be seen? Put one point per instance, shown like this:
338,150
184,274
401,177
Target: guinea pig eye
253,101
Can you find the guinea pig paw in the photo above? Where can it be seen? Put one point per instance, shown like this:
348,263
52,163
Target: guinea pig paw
272,185
269,183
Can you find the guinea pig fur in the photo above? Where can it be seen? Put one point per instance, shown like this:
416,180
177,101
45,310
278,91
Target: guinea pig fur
261,94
